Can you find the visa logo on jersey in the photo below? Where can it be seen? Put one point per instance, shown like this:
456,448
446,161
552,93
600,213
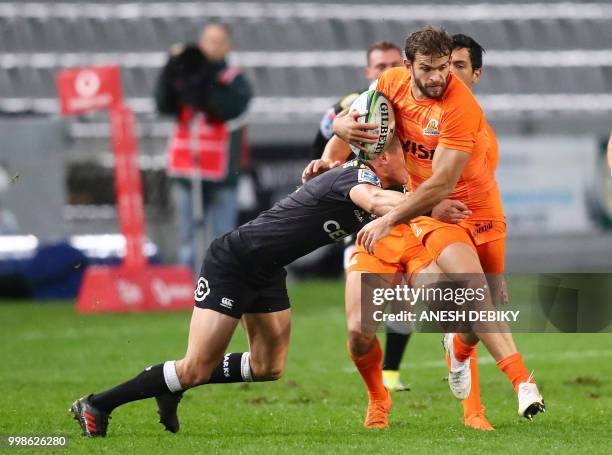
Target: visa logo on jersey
419,151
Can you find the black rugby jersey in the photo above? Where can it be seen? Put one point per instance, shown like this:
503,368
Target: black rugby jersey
318,213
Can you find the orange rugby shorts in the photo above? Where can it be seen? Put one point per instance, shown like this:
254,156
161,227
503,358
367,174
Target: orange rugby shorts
400,251
487,239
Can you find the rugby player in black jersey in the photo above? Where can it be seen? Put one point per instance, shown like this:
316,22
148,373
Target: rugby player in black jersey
243,276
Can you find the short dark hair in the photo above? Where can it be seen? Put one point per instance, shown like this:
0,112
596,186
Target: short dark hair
381,46
429,40
461,41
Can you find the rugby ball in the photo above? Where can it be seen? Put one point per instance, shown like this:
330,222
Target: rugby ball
375,109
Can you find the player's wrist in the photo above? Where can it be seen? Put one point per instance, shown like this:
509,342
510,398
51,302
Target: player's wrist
329,162
391,219
341,129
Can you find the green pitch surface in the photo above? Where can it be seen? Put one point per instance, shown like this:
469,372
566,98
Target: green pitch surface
51,356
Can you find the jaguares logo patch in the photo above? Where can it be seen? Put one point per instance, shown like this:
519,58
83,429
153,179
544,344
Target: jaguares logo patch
367,176
432,128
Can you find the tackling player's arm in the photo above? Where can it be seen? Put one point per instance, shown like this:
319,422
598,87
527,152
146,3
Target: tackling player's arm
346,130
379,202
447,166
336,150
335,153
375,200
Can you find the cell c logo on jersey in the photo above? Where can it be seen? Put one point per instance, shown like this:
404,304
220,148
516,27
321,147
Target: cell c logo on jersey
432,128
87,84
332,227
202,289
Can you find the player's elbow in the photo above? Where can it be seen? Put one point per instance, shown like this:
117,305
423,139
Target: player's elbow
370,205
376,204
443,186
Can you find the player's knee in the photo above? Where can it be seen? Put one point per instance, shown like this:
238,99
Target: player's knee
360,343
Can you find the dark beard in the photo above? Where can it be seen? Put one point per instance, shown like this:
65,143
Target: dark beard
425,90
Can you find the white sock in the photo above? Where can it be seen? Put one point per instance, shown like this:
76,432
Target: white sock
171,378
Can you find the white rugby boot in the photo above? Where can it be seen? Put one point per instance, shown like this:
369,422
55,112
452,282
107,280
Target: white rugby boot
459,377
530,402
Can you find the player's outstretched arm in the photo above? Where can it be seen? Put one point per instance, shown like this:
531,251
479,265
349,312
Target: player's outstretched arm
379,202
375,200
335,153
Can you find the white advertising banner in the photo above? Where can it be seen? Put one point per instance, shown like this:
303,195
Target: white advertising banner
545,182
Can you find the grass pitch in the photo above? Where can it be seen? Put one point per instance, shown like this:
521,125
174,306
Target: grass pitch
50,355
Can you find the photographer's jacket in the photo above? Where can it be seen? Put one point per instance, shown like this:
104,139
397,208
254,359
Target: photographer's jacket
204,96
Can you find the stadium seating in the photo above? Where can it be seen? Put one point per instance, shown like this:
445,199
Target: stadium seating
548,70
294,51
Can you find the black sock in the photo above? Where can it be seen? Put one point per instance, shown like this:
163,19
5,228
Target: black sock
394,350
234,367
147,384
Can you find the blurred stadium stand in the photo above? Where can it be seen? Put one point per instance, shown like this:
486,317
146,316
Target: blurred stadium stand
548,69
300,56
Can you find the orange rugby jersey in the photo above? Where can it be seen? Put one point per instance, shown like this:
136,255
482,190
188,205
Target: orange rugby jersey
455,121
493,151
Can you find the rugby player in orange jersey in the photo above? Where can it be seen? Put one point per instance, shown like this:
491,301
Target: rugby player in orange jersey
398,258
380,56
401,252
438,122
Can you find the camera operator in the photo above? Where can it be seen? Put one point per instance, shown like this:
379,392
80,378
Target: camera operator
208,149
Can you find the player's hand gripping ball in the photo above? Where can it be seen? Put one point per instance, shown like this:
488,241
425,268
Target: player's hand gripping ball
375,109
